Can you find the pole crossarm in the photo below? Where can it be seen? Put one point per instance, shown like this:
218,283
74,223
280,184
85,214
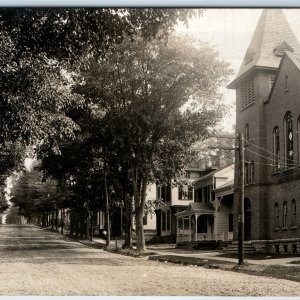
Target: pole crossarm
223,148
223,136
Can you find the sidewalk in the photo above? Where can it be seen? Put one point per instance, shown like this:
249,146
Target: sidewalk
171,250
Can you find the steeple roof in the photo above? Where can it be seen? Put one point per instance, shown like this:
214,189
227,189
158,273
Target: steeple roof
271,38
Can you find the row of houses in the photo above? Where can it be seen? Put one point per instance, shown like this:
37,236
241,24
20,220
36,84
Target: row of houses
201,210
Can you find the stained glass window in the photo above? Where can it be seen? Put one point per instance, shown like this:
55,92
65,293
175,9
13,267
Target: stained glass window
289,139
276,148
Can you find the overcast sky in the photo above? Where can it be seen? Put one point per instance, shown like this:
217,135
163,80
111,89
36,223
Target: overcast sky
229,31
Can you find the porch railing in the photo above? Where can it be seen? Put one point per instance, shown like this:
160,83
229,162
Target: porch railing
189,237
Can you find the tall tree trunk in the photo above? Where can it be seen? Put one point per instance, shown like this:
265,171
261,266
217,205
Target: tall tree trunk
62,223
139,201
52,219
56,219
107,218
128,221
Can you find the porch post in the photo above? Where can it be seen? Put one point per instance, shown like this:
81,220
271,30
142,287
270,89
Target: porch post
216,224
190,229
183,229
196,217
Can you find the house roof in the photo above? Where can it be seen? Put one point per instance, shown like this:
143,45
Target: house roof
211,174
224,186
271,38
199,208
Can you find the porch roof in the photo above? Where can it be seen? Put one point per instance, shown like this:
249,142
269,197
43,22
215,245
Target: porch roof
197,208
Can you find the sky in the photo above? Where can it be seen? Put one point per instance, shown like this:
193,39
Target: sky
229,31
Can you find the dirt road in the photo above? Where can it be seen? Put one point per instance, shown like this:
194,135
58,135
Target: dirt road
37,262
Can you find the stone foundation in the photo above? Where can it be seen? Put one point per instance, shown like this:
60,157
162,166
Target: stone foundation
283,246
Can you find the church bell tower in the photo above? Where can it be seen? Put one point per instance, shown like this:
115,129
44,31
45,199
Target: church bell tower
272,37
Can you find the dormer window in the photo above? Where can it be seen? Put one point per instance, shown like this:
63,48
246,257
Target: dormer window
247,94
280,49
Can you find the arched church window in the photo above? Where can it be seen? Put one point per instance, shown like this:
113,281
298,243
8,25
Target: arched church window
276,148
276,215
247,134
284,215
294,213
246,173
289,140
252,171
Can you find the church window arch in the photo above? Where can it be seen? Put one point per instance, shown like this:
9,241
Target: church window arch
289,139
294,213
286,83
276,215
276,148
285,215
247,134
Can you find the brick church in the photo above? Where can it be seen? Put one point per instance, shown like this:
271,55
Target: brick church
268,114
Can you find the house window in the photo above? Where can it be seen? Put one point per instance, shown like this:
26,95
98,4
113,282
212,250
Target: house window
198,195
276,148
285,214
289,139
247,134
286,83
145,220
276,215
247,94
185,192
168,219
294,213
163,217
163,192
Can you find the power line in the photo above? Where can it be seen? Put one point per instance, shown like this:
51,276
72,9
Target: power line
276,163
279,156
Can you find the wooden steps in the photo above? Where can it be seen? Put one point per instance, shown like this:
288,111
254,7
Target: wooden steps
234,246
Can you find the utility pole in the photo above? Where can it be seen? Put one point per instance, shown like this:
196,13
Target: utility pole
240,147
241,198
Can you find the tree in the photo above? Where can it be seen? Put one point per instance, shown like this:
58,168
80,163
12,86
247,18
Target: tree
32,195
40,48
157,99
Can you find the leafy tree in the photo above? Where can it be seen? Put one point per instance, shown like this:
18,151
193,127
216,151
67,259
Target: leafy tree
217,150
38,46
32,195
157,99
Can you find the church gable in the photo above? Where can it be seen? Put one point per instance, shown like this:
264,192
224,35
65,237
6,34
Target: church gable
286,77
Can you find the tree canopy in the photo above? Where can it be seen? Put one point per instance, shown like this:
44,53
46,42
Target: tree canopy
157,98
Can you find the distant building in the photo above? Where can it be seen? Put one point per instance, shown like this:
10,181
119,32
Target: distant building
268,114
